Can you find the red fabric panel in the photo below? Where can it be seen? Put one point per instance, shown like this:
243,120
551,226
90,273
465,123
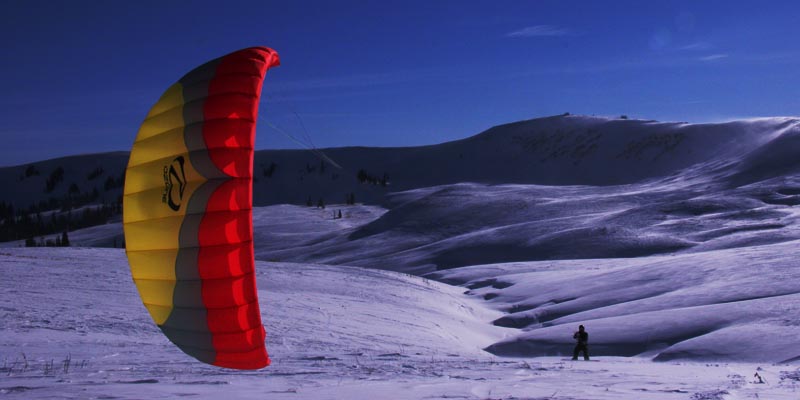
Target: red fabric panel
237,258
233,94
253,359
228,293
222,228
229,133
239,342
233,195
232,320
226,230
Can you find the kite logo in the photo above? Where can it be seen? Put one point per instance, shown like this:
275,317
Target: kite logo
174,174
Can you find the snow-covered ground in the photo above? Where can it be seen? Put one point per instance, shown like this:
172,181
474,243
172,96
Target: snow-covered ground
737,305
675,244
73,327
662,269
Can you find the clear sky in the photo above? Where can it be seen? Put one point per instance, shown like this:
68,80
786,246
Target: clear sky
79,76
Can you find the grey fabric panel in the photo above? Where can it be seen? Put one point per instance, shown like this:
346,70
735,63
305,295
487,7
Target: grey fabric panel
188,293
193,118
186,263
199,201
187,324
189,319
188,286
195,92
193,112
202,73
190,227
193,137
198,340
196,344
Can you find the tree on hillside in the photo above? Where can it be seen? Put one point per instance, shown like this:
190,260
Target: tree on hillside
31,171
95,173
64,239
269,171
54,179
112,182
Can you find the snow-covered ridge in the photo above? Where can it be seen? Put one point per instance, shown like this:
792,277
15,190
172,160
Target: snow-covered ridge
670,269
740,304
523,214
559,150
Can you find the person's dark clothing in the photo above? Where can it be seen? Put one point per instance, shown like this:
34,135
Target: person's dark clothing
582,346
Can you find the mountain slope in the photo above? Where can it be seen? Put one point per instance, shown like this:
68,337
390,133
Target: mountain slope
682,234
560,150
740,304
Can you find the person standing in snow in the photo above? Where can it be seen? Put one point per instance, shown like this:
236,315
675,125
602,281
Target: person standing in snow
583,342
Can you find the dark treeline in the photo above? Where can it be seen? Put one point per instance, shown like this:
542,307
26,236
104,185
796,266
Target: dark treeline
32,223
364,177
76,209
59,241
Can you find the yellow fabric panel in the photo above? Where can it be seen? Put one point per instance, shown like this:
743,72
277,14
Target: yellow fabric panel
151,175
166,121
172,98
153,264
157,297
159,313
151,226
156,291
158,147
153,234
148,204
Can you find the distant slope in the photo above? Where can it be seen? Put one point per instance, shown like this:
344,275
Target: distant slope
740,304
453,226
39,181
559,150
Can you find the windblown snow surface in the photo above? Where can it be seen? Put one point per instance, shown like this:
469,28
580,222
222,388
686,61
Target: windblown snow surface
73,327
676,245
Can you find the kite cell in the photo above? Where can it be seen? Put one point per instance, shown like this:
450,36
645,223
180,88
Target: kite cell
187,211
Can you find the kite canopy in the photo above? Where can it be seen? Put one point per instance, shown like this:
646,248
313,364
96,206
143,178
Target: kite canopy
187,211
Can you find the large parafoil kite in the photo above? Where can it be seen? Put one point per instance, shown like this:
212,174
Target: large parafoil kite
187,211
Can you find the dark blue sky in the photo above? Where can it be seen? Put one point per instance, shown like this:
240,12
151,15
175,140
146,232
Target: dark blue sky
78,76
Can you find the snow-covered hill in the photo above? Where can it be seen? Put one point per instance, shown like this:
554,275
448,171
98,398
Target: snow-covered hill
741,304
730,282
559,150
669,241
73,327
467,224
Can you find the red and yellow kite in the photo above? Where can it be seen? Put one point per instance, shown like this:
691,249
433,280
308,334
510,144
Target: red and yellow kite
187,211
